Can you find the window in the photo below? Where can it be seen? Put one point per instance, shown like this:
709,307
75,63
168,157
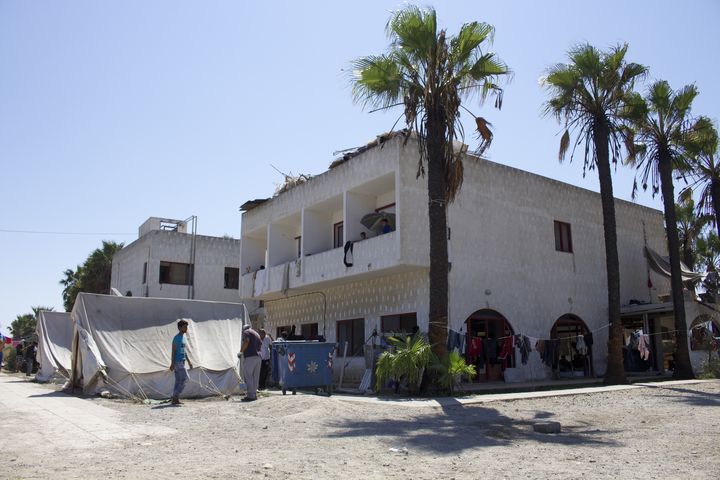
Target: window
279,330
309,331
298,246
402,323
337,235
563,238
175,273
145,273
232,278
352,332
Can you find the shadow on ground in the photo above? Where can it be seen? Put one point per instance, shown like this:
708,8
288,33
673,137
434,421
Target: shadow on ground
460,427
692,397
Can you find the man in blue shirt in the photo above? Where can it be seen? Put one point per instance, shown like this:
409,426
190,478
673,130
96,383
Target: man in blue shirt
177,365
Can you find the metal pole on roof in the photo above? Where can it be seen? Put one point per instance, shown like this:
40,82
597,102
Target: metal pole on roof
193,248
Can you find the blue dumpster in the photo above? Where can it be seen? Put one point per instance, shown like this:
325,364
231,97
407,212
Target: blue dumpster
302,364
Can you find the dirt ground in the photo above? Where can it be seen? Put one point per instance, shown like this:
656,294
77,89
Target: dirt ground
659,432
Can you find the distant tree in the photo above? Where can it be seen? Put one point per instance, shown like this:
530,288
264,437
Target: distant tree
708,255
588,95
93,276
662,128
704,169
24,325
690,227
428,73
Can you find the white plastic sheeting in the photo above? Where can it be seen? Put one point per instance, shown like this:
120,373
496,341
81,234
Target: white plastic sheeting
123,344
55,333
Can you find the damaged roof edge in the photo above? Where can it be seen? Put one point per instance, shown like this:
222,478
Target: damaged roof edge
379,140
350,153
250,204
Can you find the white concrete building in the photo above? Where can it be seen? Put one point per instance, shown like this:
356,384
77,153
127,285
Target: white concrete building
168,262
526,252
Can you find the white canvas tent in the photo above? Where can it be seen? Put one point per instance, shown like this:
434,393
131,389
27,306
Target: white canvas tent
55,333
123,344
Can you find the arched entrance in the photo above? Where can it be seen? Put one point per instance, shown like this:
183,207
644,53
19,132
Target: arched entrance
574,356
489,344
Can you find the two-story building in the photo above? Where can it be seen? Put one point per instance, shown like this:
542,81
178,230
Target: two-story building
167,261
526,252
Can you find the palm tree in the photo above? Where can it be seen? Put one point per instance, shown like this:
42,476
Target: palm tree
690,225
428,72
705,170
662,129
588,95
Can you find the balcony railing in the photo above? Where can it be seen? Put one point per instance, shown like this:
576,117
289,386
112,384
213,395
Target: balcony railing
369,256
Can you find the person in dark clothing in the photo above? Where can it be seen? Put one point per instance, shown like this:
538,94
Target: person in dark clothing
251,346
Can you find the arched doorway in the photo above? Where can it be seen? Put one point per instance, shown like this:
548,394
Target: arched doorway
489,334
574,356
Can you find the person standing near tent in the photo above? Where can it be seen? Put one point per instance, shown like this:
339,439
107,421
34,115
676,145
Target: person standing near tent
250,349
177,365
30,356
264,358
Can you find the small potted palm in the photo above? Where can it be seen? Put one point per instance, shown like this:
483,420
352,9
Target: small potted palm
405,362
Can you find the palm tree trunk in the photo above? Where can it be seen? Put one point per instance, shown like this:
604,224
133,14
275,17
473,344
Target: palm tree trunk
683,367
715,193
437,215
615,373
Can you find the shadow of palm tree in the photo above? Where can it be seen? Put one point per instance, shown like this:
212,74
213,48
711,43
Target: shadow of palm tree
460,427
693,397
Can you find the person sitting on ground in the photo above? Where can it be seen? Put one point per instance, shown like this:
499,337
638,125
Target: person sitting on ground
178,358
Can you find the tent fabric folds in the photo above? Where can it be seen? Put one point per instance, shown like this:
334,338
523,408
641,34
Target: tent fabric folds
55,333
123,345
661,266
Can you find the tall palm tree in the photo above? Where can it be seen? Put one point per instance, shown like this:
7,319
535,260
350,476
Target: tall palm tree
428,72
705,169
690,225
663,127
588,95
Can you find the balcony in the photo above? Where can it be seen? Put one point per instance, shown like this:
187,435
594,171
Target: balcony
376,256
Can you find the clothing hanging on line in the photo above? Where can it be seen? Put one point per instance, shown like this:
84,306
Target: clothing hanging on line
506,350
644,346
580,345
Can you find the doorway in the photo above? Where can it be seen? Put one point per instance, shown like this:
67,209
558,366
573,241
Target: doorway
489,344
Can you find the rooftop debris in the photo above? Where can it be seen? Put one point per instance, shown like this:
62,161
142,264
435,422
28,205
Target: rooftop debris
291,181
379,141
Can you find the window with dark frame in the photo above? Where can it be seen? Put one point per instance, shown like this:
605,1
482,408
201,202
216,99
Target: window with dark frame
309,331
279,330
352,332
144,273
232,278
337,235
563,237
402,323
175,273
298,246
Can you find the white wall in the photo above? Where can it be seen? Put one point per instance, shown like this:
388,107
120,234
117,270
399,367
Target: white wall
212,255
502,248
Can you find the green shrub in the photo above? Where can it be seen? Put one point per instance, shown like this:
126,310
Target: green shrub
407,359
710,368
449,371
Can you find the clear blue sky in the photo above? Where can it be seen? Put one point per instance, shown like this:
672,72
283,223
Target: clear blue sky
112,112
